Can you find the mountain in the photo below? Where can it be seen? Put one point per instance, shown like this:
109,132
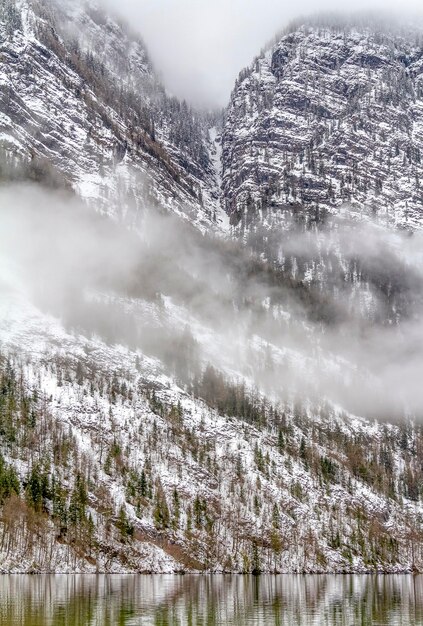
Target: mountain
177,395
330,115
79,96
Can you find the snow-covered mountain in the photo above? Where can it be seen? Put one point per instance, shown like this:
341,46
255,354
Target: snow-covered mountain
329,115
79,96
173,398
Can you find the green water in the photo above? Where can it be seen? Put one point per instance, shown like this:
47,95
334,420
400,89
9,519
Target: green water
211,600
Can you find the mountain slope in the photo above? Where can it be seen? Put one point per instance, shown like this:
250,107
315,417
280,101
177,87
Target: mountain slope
131,473
331,114
79,94
188,415
170,400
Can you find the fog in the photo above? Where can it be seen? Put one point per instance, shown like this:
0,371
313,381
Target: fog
200,46
352,334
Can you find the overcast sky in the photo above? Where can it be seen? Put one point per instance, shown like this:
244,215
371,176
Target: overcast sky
199,46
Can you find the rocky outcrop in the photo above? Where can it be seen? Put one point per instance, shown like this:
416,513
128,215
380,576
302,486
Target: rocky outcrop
331,114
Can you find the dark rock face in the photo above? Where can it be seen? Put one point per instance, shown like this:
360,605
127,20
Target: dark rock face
331,115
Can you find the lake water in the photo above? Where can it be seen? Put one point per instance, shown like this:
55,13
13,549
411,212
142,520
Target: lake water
211,600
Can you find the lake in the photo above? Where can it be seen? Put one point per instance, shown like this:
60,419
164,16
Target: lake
211,600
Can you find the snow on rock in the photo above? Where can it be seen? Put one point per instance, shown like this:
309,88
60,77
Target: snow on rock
330,115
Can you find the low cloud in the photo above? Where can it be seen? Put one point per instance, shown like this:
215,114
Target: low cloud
350,333
200,46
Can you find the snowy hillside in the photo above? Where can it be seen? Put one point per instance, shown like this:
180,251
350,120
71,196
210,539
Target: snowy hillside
136,432
173,398
198,490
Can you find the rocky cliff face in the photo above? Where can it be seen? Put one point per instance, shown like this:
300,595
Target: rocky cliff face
78,95
330,115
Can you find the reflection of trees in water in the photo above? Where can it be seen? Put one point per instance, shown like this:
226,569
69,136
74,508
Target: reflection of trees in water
210,600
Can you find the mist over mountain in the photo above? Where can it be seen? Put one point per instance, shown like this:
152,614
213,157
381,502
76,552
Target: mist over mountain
210,322
199,47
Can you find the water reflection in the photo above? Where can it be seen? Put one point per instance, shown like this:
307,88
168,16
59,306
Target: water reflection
211,600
